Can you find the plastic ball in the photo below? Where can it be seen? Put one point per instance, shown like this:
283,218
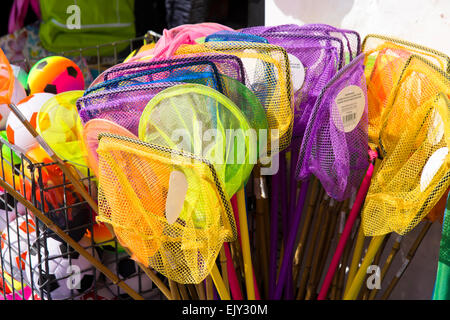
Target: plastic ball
16,132
14,246
60,126
7,211
68,274
55,74
18,95
20,75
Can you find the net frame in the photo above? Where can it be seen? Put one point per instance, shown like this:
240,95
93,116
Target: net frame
188,267
226,64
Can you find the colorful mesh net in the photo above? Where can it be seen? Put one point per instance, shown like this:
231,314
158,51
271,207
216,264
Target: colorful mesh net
313,59
441,286
122,105
59,124
156,74
419,82
267,75
350,38
137,184
415,173
226,64
226,35
334,148
202,121
385,60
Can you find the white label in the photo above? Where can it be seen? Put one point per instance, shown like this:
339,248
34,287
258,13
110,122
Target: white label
250,65
297,72
436,131
350,104
176,194
432,166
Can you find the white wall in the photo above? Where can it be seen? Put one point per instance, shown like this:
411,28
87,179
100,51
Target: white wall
422,21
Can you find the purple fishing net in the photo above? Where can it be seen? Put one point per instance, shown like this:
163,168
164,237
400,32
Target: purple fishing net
321,57
226,64
351,38
122,105
335,145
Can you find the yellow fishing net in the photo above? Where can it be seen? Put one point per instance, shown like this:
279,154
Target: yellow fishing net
416,172
419,82
267,75
169,207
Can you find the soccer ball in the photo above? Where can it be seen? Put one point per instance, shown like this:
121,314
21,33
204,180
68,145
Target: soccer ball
128,270
55,75
17,95
69,273
6,216
16,132
14,246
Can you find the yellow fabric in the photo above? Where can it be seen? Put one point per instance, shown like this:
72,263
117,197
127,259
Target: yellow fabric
133,186
385,60
404,189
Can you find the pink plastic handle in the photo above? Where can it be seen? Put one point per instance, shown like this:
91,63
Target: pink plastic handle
232,278
360,196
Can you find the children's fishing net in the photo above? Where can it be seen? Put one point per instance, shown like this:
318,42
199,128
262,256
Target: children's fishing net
385,60
122,105
415,173
168,207
202,121
225,64
268,76
155,74
334,148
419,82
349,38
313,60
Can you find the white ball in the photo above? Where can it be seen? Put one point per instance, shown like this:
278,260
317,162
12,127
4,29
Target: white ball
69,273
7,211
19,93
15,247
16,132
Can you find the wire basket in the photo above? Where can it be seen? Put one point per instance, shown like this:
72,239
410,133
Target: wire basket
34,262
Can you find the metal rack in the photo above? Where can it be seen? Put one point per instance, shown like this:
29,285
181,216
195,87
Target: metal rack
26,252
